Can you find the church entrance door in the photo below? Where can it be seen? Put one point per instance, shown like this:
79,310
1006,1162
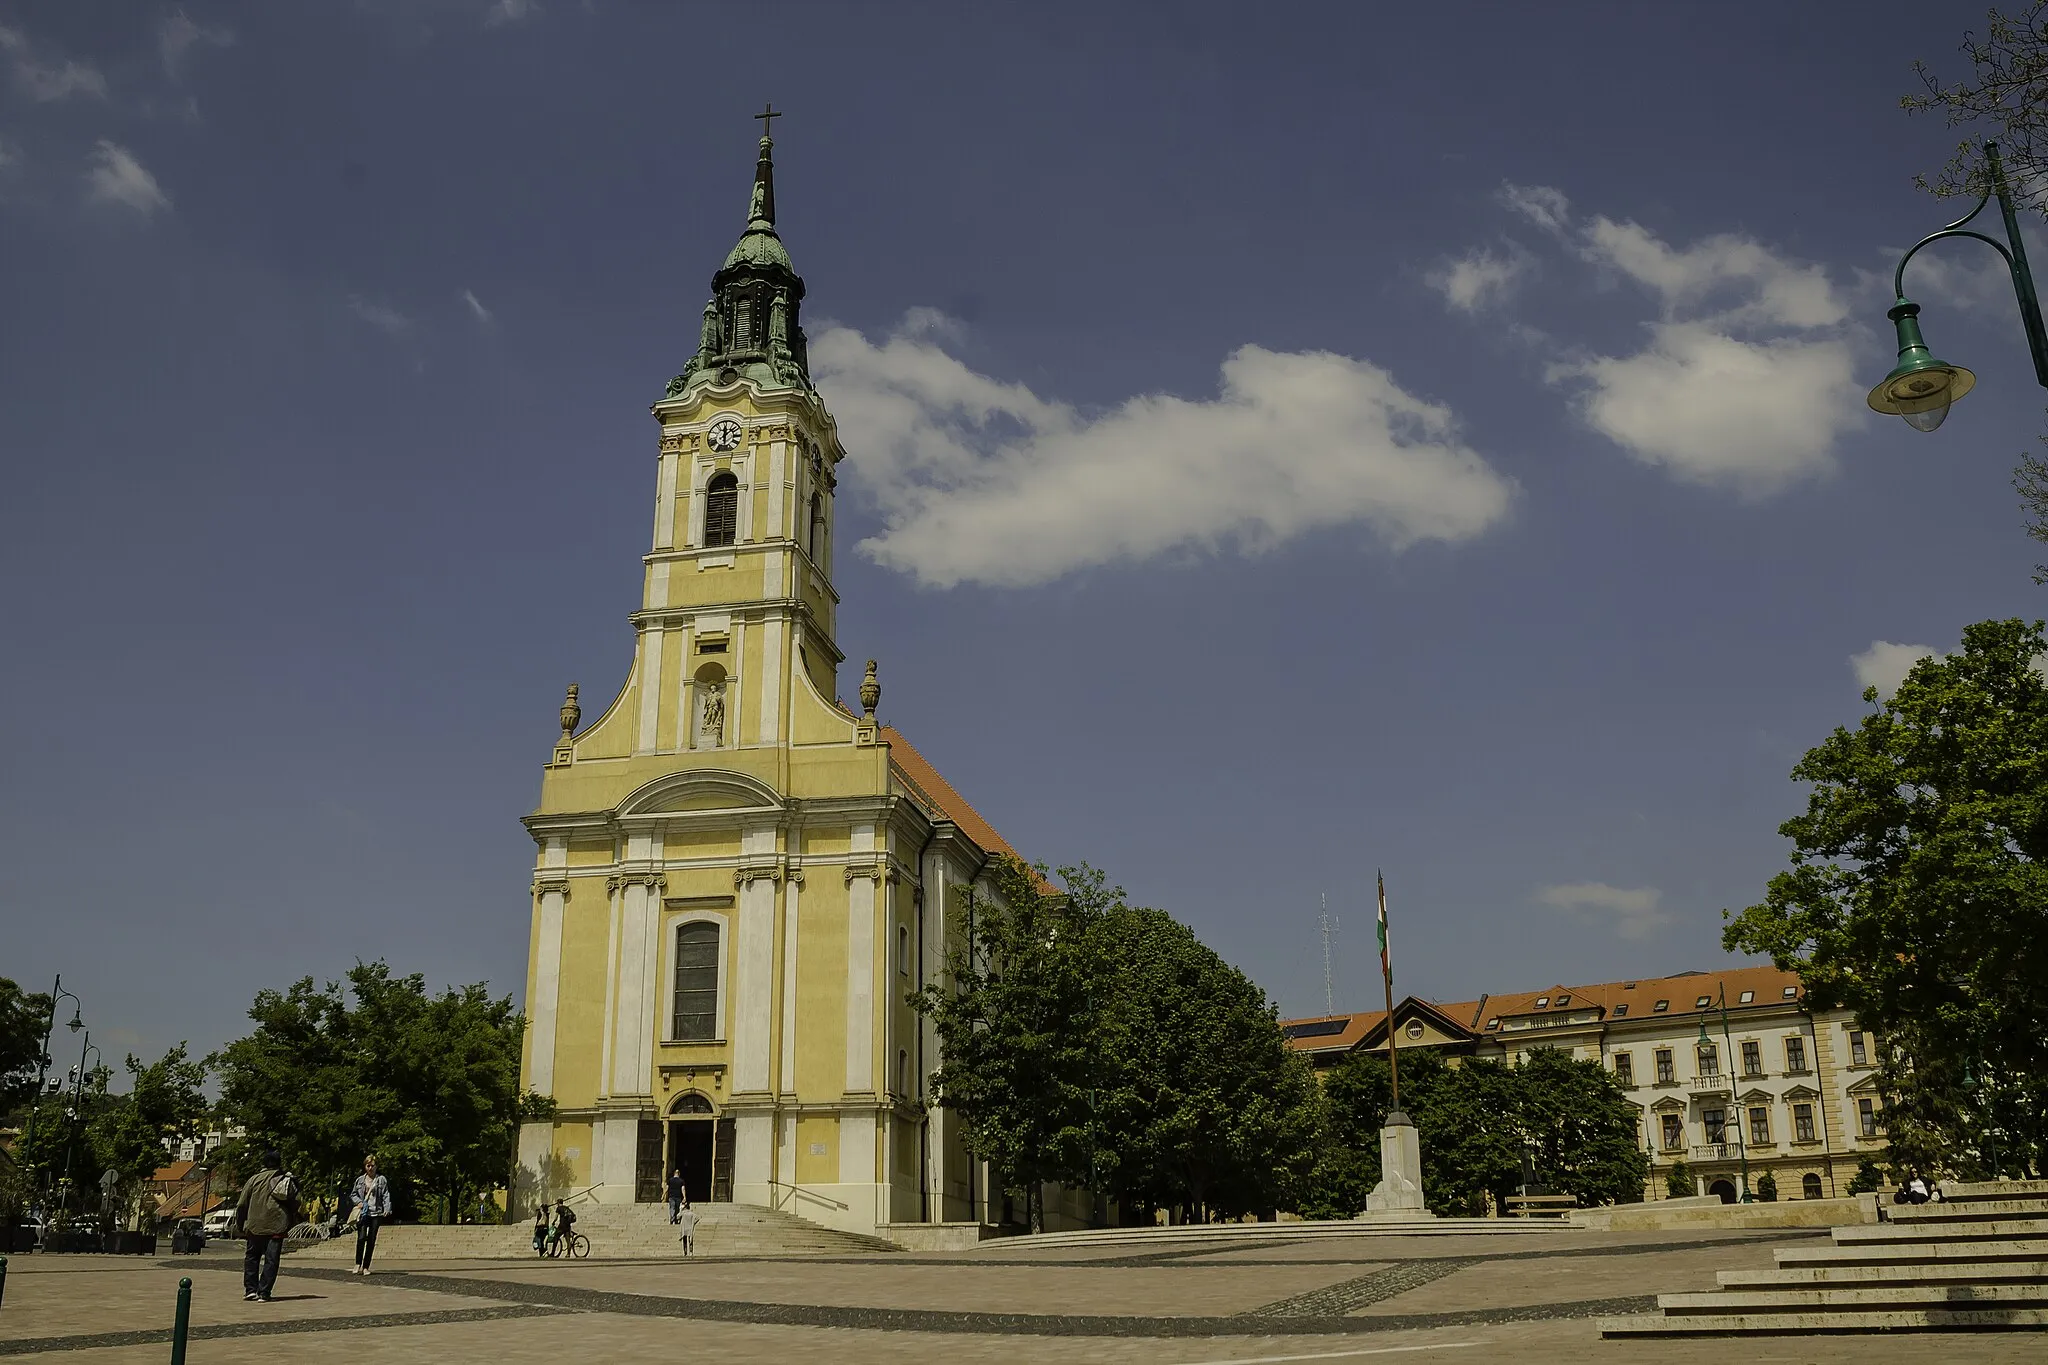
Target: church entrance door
647,1164
689,1151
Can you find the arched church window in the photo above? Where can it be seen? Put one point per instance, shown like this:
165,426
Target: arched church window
817,527
696,993
722,509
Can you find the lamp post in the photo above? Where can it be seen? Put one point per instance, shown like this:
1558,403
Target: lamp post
75,1112
1734,1100
57,992
1921,387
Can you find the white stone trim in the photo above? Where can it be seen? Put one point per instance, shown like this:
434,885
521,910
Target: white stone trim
754,972
771,679
547,982
777,454
857,1148
665,502
611,998
792,902
860,972
650,689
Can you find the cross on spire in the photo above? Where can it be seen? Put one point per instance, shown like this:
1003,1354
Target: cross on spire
768,115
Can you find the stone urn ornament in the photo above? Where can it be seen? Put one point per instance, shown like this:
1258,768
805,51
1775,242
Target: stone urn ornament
870,692
571,713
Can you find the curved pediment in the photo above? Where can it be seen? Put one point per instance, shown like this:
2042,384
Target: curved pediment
702,789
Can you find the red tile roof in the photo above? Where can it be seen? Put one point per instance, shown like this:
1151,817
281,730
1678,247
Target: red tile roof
935,791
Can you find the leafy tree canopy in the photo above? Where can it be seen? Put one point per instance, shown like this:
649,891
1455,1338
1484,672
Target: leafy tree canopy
24,1018
428,1084
2004,99
1918,899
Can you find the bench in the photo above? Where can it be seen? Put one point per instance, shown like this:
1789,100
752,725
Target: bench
1540,1205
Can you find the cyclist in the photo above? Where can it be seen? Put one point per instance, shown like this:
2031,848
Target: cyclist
565,1228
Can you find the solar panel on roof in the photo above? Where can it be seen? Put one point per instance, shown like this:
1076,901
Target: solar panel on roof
1320,1028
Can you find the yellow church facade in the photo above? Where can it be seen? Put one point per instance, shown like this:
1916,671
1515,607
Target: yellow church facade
738,878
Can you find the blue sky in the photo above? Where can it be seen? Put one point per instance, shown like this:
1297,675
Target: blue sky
1285,439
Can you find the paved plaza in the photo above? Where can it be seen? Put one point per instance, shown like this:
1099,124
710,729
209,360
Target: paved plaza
1457,1299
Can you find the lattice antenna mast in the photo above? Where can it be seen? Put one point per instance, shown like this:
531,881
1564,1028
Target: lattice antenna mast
1329,927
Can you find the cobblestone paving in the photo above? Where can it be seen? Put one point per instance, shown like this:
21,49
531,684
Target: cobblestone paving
1350,1295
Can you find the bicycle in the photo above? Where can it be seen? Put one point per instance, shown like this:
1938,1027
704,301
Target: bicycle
575,1245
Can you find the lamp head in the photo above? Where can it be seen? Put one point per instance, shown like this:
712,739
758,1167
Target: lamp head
1705,1041
76,1023
1920,387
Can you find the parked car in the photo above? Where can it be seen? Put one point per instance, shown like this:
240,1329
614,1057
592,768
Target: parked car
187,1236
220,1222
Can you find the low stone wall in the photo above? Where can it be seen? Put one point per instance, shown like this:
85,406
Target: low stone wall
1674,1214
938,1236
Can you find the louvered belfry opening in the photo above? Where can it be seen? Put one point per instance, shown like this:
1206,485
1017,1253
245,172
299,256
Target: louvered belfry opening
722,509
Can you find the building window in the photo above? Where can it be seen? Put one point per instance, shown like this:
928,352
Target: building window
696,998
1674,1132
1745,997
1809,1186
1802,1123
1715,1121
1660,1007
1624,1068
1859,1051
1703,1002
1541,1001
902,1072
817,528
722,509
1621,1011
1563,1000
1414,1029
1665,1074
1795,1054
1752,1059
903,949
1759,1125
1866,1118
1710,1062
1791,992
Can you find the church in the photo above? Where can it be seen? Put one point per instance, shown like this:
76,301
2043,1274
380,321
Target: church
739,879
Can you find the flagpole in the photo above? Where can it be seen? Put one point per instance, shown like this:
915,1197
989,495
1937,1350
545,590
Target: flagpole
1387,978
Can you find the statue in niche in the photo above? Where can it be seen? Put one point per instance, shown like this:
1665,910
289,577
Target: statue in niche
711,729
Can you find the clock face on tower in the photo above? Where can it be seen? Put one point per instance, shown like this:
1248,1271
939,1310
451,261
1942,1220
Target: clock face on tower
725,434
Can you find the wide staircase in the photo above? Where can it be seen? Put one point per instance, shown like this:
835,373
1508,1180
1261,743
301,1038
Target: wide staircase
616,1231
1977,1260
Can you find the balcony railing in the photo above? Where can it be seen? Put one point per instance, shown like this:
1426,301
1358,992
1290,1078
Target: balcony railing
1716,1151
1710,1083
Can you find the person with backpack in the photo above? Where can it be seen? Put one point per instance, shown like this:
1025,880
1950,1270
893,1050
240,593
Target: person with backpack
686,1220
372,1196
675,1194
540,1230
264,1213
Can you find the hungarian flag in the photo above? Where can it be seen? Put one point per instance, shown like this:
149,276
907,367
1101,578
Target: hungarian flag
1386,964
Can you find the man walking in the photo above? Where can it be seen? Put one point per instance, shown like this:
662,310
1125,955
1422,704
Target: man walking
675,1194
263,1215
372,1194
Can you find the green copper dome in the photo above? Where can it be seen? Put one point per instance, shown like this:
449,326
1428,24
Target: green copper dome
751,324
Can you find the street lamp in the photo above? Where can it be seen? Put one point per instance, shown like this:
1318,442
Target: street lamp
1921,387
57,993
1734,1099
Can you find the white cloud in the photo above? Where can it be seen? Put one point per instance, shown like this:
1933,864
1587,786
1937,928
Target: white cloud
1712,408
984,481
1634,912
1479,278
177,35
1885,665
1540,204
379,315
1746,379
44,82
511,12
116,177
476,306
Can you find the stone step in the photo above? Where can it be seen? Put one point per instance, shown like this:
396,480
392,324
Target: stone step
1913,1253
2004,1230
1971,1272
722,1230
1970,1211
1885,1297
1995,1189
1738,1324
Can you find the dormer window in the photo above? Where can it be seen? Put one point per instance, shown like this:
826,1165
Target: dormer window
1563,1000
1542,1001
721,509
1745,997
1702,1002
1621,1011
1660,1007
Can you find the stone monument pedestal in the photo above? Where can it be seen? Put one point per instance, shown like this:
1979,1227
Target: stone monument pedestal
1399,1193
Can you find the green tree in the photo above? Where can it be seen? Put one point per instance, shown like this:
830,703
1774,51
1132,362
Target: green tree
1013,1022
1868,1178
427,1083
164,1103
2004,99
1475,1121
1917,898
1199,1103
24,1019
1678,1181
